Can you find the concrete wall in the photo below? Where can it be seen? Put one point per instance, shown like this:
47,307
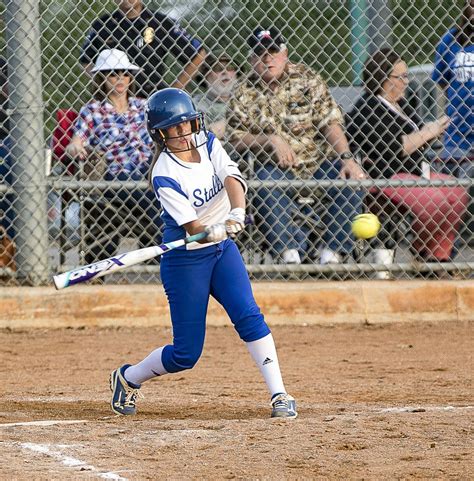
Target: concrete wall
282,303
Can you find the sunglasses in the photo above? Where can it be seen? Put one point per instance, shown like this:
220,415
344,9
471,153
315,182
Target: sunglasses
118,73
221,68
403,76
262,51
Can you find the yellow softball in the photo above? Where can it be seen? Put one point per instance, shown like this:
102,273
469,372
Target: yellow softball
365,226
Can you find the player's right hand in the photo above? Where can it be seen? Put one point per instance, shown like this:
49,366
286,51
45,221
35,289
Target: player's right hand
235,221
216,233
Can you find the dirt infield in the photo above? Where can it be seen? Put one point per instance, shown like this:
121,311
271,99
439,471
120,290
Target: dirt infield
389,401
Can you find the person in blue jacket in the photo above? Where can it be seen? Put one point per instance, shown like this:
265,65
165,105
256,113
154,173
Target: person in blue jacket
454,71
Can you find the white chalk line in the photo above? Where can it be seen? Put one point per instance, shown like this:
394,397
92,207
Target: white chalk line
52,422
347,412
414,409
55,452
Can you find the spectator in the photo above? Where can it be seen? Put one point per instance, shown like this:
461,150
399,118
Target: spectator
7,246
219,78
285,114
147,37
386,130
113,127
454,71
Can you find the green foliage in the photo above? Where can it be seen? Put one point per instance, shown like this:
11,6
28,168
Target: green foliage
64,25
418,26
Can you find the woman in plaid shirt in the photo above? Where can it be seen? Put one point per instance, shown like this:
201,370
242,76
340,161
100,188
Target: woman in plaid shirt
111,134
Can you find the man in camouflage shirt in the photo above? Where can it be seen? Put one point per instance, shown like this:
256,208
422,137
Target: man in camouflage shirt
285,114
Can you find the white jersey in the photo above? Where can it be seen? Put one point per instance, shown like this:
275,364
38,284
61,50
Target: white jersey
191,191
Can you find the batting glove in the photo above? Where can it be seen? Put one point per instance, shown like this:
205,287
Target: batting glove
216,233
235,221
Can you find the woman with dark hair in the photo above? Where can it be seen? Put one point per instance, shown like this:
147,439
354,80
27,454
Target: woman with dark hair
112,124
386,131
454,72
111,128
392,135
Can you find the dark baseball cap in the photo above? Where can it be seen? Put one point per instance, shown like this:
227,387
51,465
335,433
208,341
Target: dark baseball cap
217,60
266,39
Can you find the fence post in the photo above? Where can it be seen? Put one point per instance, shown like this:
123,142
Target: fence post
380,26
367,37
26,122
359,36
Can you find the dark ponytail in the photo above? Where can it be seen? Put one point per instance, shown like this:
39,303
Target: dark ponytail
154,160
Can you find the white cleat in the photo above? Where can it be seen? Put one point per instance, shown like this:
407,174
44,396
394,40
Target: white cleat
283,406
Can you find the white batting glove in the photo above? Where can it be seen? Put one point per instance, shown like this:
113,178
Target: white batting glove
216,233
235,221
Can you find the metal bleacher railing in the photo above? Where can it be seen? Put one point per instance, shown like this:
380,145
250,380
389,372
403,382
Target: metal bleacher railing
44,200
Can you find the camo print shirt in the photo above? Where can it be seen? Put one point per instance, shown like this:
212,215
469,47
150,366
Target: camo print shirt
297,111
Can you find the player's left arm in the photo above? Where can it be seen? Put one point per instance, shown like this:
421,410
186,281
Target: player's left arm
224,166
230,176
235,192
235,220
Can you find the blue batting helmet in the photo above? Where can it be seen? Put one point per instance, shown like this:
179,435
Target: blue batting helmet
169,107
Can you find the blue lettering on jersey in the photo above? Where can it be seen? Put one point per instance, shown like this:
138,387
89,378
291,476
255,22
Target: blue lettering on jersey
202,196
199,200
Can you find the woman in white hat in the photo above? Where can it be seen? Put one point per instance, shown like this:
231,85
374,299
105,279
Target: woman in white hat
112,127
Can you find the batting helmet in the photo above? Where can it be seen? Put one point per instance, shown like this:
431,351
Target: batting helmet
169,107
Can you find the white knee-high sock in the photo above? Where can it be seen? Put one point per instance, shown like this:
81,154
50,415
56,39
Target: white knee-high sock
264,354
150,367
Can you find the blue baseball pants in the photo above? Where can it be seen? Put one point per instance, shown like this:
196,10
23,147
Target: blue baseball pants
189,278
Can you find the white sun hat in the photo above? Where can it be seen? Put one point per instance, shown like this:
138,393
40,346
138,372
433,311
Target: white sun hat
113,59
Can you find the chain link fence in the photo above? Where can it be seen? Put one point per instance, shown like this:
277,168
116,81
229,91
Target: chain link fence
73,158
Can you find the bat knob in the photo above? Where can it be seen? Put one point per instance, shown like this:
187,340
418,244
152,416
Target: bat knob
249,219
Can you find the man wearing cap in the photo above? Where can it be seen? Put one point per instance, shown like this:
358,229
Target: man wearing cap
218,77
147,37
285,114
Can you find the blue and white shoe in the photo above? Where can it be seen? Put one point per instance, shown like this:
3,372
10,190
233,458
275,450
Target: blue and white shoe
283,406
124,396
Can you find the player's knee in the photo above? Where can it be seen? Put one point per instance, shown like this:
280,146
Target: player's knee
188,361
176,362
251,328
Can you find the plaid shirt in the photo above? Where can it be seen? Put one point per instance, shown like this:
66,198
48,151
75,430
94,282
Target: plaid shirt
121,138
297,111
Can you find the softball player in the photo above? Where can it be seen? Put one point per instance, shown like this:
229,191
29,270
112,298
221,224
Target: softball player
199,188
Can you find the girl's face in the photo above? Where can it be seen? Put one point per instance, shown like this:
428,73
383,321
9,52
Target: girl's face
179,137
118,82
397,82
